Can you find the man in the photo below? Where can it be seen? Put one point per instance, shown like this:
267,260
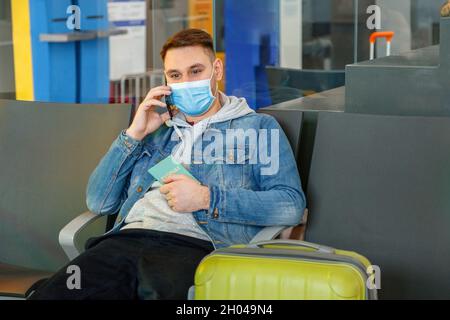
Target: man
226,196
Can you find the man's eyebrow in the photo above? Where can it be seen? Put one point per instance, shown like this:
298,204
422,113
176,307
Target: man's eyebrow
172,71
197,65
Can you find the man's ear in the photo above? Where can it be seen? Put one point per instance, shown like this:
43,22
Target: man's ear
219,69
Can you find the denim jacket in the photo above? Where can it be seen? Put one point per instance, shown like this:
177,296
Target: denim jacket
242,200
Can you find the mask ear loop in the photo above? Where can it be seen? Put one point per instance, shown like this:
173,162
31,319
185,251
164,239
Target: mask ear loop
217,83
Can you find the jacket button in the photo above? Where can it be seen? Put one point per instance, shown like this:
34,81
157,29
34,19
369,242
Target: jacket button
216,213
139,189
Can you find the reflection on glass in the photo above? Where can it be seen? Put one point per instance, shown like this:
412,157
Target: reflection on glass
415,23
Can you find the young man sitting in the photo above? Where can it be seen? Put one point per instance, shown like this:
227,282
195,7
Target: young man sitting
241,176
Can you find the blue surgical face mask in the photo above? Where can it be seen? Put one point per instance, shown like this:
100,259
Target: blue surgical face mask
193,98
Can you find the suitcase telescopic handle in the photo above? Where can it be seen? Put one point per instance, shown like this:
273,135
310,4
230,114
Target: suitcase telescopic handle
295,243
388,35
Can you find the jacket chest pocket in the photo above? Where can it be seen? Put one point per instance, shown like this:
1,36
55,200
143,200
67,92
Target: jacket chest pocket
231,169
140,171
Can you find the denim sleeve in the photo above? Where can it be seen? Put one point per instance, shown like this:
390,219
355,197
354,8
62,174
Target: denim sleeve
108,184
279,200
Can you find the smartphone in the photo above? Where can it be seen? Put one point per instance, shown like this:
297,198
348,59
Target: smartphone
169,103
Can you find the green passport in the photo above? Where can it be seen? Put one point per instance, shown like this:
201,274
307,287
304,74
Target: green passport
168,167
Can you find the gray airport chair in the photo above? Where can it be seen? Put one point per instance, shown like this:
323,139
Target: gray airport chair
309,108
380,186
47,153
291,121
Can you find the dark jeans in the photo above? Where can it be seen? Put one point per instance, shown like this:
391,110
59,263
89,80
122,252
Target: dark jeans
131,264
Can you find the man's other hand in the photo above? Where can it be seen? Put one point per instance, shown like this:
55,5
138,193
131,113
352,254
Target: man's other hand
184,194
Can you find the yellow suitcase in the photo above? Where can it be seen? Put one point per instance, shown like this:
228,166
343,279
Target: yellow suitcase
283,270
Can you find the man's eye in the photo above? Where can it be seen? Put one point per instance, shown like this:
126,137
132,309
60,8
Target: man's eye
196,71
175,76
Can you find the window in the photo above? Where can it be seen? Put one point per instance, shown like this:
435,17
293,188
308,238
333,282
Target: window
274,50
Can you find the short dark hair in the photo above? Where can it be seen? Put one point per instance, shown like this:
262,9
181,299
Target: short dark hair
189,38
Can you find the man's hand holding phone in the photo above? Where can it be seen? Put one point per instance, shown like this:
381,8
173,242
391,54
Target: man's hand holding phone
147,120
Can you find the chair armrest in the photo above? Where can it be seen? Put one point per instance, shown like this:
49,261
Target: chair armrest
68,234
268,233
271,233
